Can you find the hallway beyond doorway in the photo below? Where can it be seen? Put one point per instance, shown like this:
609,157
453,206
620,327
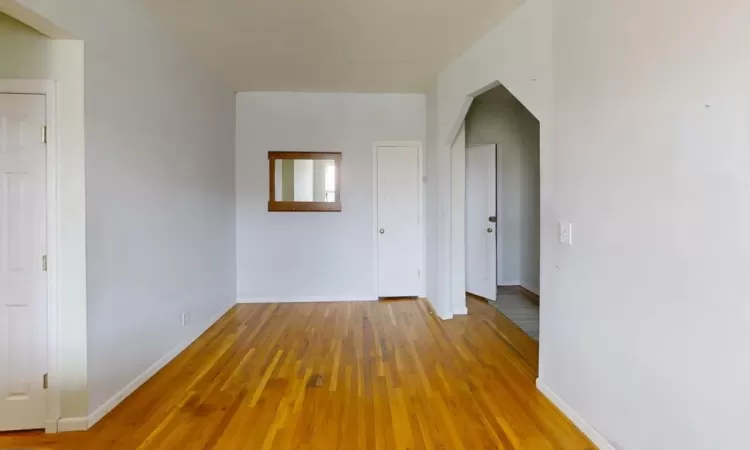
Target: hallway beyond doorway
518,305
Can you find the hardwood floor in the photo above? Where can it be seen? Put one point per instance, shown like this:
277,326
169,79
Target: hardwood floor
386,375
526,347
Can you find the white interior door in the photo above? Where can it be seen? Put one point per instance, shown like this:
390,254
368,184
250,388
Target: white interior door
23,242
481,221
398,221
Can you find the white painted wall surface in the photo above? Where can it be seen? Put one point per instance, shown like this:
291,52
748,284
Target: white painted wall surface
314,255
160,190
498,118
644,148
457,253
431,191
25,53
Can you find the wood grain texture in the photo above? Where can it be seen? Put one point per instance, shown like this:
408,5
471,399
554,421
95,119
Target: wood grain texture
381,375
526,347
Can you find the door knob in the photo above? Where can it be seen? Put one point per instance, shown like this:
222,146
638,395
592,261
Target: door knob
382,231
489,230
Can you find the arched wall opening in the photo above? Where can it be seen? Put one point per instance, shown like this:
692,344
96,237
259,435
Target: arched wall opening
519,223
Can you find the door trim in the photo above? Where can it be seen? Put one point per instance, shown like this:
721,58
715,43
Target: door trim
48,89
499,205
457,258
422,202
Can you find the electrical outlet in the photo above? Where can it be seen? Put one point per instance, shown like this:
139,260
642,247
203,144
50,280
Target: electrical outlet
566,233
185,319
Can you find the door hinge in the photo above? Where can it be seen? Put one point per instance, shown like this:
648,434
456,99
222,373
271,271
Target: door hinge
44,134
44,263
45,381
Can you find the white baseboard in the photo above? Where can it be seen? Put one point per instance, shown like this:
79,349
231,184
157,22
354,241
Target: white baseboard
310,299
116,399
439,314
518,283
50,426
460,311
585,427
71,424
445,316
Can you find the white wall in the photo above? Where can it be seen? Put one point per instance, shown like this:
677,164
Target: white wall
644,148
324,255
25,53
495,117
457,253
159,190
431,191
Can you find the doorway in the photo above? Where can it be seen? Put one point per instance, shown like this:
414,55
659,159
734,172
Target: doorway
503,207
481,214
399,224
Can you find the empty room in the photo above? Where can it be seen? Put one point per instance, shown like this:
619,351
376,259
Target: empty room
374,225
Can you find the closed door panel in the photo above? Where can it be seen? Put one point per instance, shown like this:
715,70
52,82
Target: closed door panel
481,222
398,219
23,289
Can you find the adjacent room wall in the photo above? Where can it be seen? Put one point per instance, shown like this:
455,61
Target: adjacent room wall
644,149
326,256
496,117
159,191
27,54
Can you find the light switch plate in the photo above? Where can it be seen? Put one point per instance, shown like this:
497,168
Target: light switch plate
566,233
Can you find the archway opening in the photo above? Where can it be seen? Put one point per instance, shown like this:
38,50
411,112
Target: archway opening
500,141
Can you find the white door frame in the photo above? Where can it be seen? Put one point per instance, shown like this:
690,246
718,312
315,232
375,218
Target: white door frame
459,306
499,205
422,200
48,89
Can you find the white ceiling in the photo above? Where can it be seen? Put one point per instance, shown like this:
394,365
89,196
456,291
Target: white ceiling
329,45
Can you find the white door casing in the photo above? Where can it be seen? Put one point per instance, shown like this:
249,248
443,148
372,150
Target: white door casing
457,258
481,231
399,246
23,243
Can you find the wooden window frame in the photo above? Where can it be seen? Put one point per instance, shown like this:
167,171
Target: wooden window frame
280,206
